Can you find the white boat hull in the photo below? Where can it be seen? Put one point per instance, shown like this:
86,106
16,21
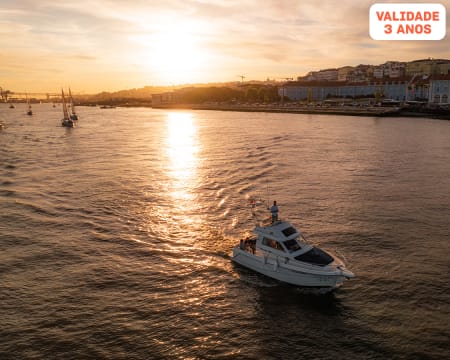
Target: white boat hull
278,268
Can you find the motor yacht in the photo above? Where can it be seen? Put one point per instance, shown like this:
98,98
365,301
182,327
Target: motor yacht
280,251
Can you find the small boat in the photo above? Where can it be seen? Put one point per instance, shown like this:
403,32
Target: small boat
278,250
29,112
73,115
107,107
66,121
11,105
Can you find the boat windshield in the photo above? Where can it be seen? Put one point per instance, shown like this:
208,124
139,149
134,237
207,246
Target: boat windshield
315,256
292,245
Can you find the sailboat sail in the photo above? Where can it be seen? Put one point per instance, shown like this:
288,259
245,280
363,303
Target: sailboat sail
65,111
66,121
29,112
74,115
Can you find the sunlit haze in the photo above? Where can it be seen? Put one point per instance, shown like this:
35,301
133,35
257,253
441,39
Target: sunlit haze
109,45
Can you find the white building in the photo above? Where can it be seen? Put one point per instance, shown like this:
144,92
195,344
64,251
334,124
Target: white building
378,71
439,89
394,69
327,75
344,73
323,75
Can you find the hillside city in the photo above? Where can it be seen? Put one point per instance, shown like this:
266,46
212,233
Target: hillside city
424,83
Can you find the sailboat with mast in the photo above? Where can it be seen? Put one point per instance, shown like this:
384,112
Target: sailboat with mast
66,121
73,115
29,112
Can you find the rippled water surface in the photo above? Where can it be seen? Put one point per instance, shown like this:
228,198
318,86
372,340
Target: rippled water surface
115,236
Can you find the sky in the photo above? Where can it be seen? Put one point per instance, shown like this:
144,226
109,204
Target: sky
109,45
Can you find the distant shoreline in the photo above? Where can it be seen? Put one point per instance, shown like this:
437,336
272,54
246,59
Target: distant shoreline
368,111
290,110
371,111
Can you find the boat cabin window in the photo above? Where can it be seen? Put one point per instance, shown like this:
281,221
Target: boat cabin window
292,245
289,231
272,243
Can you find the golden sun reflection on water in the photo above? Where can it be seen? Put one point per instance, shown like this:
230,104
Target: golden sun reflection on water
182,149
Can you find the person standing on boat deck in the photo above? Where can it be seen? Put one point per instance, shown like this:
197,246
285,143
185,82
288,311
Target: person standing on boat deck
274,210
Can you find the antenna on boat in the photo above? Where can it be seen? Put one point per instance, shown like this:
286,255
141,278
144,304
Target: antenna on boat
253,204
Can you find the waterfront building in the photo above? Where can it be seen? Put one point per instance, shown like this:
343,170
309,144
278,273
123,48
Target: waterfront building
439,89
320,91
434,89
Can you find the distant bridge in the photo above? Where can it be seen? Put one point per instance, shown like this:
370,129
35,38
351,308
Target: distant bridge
7,94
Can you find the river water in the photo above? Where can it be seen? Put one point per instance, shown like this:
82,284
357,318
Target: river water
116,236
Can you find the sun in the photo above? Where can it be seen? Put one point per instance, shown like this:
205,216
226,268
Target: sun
176,56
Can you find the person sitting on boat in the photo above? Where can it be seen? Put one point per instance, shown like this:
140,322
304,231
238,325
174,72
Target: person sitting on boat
274,211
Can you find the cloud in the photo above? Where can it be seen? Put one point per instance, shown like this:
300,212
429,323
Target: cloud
258,38
82,57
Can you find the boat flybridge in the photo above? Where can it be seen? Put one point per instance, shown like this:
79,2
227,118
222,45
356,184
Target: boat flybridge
281,252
